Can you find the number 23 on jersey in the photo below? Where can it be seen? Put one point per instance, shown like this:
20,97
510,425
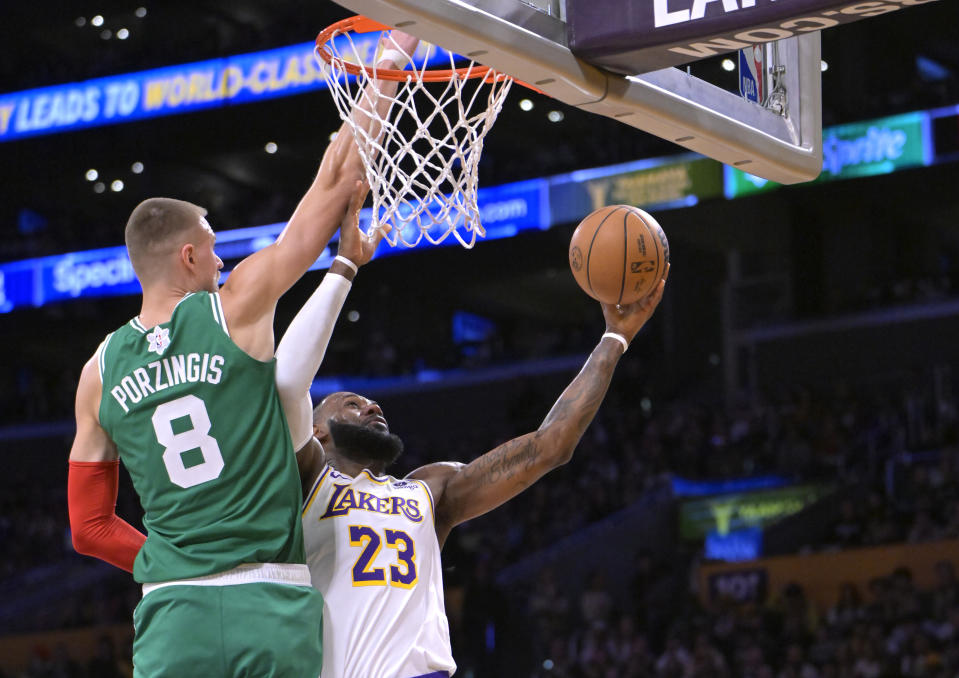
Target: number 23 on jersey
402,573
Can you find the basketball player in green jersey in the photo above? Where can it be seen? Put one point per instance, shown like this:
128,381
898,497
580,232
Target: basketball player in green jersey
184,393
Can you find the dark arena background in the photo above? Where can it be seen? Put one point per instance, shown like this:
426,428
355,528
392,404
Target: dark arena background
771,487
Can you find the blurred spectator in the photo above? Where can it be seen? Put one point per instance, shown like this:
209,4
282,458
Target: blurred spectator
675,661
848,608
848,531
64,666
595,603
923,528
946,594
105,663
796,665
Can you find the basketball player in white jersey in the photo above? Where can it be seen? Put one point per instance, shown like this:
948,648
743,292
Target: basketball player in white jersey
373,541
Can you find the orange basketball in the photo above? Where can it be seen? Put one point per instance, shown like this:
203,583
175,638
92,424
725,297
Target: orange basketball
618,254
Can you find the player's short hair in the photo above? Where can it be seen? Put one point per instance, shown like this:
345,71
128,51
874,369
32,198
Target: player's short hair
152,227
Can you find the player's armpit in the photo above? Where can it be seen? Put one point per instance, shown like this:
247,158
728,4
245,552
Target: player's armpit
462,492
310,460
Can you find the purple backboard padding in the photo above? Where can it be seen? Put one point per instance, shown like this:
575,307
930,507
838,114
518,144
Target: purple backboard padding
622,35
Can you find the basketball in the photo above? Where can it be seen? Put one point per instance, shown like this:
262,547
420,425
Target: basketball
618,254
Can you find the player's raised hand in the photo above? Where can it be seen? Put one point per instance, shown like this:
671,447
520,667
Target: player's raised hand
396,41
356,245
627,320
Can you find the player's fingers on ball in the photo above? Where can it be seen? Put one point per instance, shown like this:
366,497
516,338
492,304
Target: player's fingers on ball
656,295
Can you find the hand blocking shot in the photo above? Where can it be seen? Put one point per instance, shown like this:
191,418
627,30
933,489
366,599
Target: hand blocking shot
222,564
373,540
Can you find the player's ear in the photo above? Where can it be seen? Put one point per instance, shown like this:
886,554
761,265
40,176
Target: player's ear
321,431
188,254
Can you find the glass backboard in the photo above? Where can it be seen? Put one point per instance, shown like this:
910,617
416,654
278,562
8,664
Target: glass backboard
617,58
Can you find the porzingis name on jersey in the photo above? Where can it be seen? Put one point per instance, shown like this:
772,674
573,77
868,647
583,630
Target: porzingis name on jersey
344,499
161,374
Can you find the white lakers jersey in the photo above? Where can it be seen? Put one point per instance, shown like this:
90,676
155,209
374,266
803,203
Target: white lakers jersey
372,551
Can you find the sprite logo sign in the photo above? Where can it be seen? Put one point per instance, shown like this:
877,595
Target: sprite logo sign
856,150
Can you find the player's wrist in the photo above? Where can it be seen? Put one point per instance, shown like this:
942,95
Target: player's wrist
617,337
397,59
344,267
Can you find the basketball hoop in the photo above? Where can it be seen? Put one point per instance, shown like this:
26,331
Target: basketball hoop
423,164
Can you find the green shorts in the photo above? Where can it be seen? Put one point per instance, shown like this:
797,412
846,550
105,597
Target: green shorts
257,630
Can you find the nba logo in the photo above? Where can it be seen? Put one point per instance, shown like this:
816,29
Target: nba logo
751,78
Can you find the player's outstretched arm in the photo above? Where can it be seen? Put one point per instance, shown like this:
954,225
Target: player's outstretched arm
250,293
92,483
301,351
462,492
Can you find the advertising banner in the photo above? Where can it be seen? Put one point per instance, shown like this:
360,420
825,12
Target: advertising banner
821,574
742,585
730,512
170,90
856,150
661,183
506,210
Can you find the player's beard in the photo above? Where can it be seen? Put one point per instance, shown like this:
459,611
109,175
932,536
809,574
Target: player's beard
363,444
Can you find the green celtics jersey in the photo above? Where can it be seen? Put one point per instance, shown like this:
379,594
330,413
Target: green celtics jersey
199,426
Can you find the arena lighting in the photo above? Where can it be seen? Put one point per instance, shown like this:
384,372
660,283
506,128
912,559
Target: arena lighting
99,187
80,22
91,175
116,186
525,105
97,20
353,316
137,168
823,66
106,34
123,34
140,12
728,65
270,147
333,135
555,116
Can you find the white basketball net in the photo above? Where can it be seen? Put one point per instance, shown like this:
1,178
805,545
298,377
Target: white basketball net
423,166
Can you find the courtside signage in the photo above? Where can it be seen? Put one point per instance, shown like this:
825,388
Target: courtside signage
637,37
167,91
506,210
739,586
856,150
728,513
538,204
658,183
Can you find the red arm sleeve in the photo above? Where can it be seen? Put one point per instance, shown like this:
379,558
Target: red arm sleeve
92,500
